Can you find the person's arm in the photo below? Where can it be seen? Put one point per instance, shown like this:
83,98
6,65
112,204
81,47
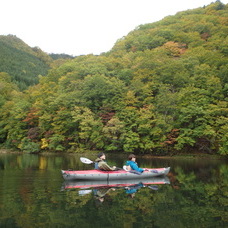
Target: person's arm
128,167
104,166
135,167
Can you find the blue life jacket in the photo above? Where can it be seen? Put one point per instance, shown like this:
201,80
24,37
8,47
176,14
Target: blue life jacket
134,166
96,165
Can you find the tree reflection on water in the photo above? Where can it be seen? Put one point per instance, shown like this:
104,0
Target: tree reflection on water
33,194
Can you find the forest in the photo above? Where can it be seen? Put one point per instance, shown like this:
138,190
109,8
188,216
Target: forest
22,62
161,90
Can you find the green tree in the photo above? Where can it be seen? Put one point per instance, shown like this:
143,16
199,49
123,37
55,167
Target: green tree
89,128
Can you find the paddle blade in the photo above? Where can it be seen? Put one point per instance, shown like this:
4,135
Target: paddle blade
84,192
86,160
153,187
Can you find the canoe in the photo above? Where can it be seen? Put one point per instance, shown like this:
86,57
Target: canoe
112,175
86,184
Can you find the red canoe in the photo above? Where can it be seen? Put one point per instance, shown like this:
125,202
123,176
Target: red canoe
113,175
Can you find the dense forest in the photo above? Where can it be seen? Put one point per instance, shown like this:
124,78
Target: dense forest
23,63
162,89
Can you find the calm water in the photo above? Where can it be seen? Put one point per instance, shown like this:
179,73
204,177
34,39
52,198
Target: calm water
33,194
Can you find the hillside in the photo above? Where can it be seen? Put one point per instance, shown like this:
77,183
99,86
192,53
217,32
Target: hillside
161,90
204,26
22,62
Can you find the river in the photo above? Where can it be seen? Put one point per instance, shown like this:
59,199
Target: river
34,194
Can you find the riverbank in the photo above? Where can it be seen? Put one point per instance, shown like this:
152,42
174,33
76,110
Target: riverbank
8,151
179,156
188,156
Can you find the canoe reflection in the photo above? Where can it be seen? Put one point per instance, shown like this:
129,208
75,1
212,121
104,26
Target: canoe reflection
130,186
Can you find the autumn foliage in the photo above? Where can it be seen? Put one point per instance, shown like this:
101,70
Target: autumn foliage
161,89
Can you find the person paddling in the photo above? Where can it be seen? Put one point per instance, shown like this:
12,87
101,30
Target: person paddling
132,165
101,164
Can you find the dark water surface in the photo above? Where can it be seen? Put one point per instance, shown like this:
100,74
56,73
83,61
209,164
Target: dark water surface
33,194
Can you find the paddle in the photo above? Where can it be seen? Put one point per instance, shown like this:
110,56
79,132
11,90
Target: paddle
84,192
154,187
86,160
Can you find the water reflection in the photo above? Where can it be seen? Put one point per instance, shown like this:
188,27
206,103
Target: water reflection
33,194
101,188
113,183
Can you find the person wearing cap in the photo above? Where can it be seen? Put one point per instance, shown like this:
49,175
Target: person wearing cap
132,165
101,164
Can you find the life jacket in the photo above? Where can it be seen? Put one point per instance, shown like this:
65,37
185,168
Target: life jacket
96,165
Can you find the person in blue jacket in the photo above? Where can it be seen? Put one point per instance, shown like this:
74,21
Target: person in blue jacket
132,165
